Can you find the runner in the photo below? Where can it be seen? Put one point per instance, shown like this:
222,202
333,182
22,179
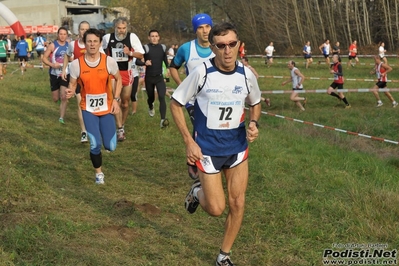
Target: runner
336,70
154,57
39,43
325,49
220,87
54,58
269,50
297,79
307,53
123,45
382,69
353,54
3,55
21,50
99,103
192,54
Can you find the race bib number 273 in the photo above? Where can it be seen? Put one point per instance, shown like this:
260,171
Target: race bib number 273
96,103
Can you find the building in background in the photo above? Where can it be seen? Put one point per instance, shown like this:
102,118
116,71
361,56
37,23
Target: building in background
46,16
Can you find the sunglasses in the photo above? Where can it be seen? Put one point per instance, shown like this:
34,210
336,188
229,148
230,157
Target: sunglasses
223,45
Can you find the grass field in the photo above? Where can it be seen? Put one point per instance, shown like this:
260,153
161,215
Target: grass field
310,188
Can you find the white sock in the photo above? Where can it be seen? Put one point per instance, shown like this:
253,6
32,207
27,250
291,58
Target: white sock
195,192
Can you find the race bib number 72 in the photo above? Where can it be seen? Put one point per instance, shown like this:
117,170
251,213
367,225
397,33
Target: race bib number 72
224,114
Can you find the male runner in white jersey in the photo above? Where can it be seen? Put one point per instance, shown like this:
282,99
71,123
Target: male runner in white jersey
297,79
269,50
192,54
220,87
123,45
325,49
382,69
307,53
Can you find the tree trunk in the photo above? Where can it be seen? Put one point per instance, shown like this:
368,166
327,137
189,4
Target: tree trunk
298,20
320,20
347,13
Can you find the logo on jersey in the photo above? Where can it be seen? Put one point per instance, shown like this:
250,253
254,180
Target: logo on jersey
214,91
119,45
237,90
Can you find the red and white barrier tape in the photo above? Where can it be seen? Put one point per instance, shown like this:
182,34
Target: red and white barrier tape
319,78
316,56
332,128
323,63
325,91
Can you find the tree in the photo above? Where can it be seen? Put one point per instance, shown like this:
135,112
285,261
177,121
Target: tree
288,23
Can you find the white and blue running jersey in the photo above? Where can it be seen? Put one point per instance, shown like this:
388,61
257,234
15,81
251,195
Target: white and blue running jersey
192,55
195,58
219,112
326,49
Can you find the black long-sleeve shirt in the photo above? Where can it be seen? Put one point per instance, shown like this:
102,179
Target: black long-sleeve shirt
157,55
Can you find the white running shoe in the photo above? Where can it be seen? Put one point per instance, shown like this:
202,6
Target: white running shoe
379,104
100,178
164,123
191,202
267,101
394,104
226,261
151,112
120,134
83,138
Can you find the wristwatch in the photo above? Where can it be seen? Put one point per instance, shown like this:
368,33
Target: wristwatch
256,122
117,99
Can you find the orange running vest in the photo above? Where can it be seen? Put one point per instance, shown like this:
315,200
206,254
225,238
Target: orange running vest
95,81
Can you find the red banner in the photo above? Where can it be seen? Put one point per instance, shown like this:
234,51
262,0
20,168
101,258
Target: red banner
28,29
31,29
5,30
46,28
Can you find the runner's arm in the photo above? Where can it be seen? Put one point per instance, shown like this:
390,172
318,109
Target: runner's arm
67,59
137,47
339,71
46,55
174,72
193,151
298,73
387,67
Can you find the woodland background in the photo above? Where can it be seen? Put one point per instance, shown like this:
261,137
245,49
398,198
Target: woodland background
288,23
